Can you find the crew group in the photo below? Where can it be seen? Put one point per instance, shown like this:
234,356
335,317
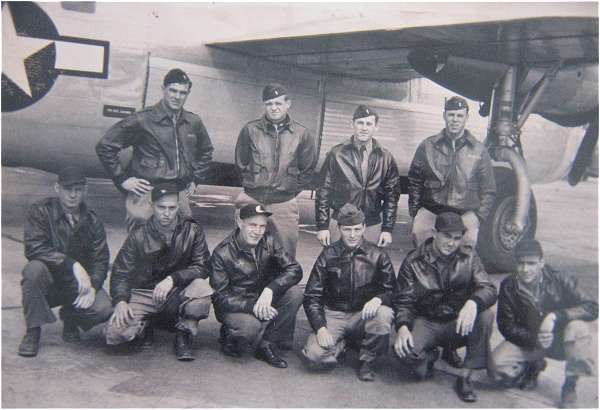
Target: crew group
165,275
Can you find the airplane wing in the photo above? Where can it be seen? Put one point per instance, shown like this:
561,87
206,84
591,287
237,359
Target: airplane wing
382,55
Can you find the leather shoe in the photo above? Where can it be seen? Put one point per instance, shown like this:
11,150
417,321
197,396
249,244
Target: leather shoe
183,346
568,393
70,333
365,372
464,390
452,357
266,354
31,342
230,347
145,340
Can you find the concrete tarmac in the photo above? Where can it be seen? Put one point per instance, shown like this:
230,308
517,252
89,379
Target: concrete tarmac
92,375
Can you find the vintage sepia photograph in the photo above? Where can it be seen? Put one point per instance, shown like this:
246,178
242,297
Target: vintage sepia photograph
299,205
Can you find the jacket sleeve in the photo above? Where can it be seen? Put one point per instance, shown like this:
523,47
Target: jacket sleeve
307,160
242,151
484,292
224,298
391,194
290,271
507,325
198,266
386,278
101,256
487,186
325,193
404,297
38,242
122,271
118,137
313,294
580,305
203,157
416,180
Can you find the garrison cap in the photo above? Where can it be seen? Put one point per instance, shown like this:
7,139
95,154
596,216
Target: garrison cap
69,176
529,247
178,76
350,215
449,222
363,111
250,210
163,189
273,90
456,103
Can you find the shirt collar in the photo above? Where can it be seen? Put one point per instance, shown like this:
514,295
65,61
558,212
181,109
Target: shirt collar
358,145
161,112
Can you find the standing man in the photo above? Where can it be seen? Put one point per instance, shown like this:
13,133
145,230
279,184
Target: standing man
451,171
256,298
348,295
276,157
542,312
161,273
443,299
169,143
65,245
361,172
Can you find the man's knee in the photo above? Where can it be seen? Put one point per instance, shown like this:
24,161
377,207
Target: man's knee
36,272
381,324
576,329
197,308
295,295
316,355
243,325
102,308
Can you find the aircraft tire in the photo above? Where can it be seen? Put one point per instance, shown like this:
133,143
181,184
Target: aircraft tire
495,246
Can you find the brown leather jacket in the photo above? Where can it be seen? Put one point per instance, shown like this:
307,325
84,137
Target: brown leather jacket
519,318
145,258
275,163
238,277
442,179
49,238
436,288
341,182
345,279
161,150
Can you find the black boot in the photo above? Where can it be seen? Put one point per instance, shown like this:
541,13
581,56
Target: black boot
532,372
31,342
365,372
230,347
568,393
464,390
70,332
183,346
267,354
145,340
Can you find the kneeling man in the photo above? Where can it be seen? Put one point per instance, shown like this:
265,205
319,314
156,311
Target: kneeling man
349,294
161,273
256,298
68,258
542,312
443,298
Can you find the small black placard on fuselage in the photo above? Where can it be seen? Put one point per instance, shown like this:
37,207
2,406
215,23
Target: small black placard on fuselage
117,111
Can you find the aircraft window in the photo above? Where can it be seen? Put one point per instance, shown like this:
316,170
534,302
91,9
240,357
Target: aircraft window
79,6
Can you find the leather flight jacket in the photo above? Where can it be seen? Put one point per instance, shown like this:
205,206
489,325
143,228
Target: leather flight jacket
344,279
50,238
238,276
275,162
340,182
437,287
519,317
162,149
442,179
145,259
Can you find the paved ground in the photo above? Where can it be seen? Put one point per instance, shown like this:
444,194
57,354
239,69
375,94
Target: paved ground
92,375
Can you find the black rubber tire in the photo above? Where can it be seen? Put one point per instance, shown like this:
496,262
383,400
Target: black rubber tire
495,246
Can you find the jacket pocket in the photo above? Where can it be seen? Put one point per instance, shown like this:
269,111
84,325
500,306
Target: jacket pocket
149,162
432,184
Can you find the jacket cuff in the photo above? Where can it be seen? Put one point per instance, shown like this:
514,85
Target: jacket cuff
119,298
119,179
96,282
480,305
67,264
388,229
249,306
276,288
406,323
177,279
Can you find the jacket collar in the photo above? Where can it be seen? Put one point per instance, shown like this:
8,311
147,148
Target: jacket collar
349,144
442,138
233,241
160,113
58,212
266,125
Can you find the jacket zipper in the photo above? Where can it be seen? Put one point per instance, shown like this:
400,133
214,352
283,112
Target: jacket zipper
176,145
352,278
